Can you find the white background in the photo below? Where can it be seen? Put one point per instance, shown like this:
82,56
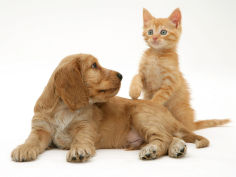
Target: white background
36,35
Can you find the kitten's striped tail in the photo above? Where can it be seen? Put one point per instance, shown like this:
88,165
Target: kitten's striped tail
210,123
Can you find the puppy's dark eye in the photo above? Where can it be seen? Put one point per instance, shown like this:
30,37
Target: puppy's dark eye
150,32
94,65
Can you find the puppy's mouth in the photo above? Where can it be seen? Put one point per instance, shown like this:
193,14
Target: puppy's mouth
104,94
108,90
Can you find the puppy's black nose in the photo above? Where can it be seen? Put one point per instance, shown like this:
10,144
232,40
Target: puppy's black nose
119,76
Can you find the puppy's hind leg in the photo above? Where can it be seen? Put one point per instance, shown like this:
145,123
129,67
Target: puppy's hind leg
177,148
157,139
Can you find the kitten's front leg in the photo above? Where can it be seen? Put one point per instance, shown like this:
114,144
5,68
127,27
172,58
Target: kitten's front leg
169,84
82,147
136,87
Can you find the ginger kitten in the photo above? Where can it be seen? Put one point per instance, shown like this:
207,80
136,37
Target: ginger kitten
159,75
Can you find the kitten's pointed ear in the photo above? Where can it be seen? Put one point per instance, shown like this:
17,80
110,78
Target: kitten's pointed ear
70,87
175,17
146,16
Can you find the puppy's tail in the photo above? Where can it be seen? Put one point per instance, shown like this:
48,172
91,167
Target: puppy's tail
210,123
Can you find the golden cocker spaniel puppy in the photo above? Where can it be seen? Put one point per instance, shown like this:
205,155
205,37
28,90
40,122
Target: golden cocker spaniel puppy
78,111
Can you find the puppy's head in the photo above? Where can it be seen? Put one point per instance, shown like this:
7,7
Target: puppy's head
80,79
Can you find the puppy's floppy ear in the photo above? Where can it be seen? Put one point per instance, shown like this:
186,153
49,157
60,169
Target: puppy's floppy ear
70,87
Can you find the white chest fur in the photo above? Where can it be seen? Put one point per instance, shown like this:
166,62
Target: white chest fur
63,118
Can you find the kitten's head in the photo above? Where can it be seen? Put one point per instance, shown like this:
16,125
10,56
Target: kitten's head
162,33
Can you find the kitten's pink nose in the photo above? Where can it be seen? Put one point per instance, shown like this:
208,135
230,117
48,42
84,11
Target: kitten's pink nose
154,38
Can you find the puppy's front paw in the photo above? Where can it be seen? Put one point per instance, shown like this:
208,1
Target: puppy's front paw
80,154
25,152
148,152
177,148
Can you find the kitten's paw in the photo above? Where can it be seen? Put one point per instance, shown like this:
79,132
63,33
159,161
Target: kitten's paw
134,92
135,87
25,152
148,152
202,143
80,154
177,148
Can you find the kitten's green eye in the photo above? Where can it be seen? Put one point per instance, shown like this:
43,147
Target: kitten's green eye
163,32
150,32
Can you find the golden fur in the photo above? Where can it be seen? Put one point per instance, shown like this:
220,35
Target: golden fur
78,111
159,75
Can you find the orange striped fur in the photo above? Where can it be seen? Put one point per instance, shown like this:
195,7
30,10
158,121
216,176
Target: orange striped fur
159,75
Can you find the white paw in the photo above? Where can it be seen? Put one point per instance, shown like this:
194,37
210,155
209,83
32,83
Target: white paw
79,154
148,152
177,148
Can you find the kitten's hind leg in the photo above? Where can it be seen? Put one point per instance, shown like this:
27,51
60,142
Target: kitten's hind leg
191,137
182,112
